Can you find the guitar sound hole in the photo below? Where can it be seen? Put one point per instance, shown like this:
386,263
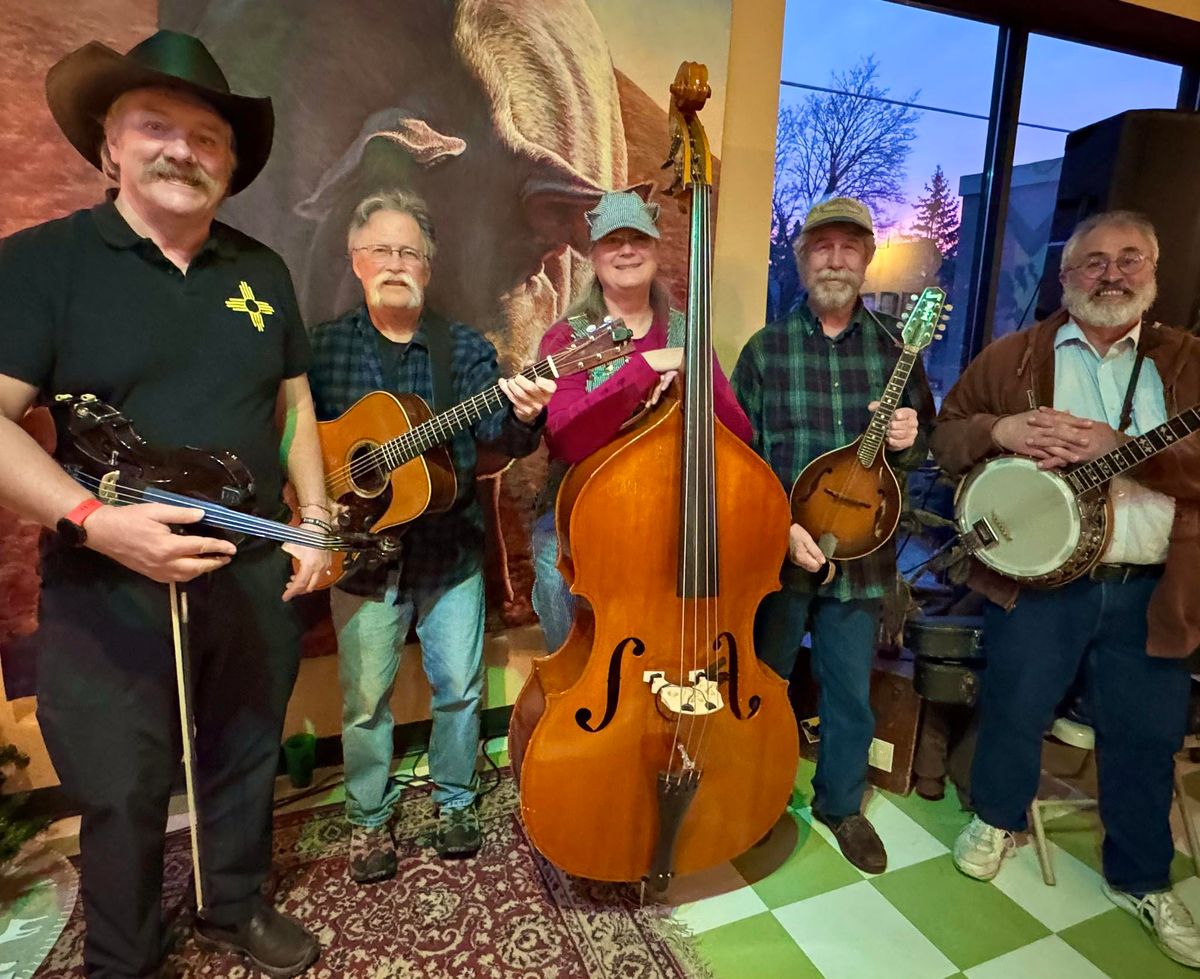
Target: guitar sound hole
368,474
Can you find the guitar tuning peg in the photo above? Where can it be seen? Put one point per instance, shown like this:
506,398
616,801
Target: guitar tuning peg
914,297
947,307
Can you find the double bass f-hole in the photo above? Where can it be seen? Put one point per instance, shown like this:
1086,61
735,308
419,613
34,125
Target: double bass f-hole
583,716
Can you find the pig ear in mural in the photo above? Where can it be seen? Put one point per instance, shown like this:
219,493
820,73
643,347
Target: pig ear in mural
556,201
419,141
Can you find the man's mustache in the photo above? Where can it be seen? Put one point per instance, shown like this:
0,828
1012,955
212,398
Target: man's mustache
837,275
193,176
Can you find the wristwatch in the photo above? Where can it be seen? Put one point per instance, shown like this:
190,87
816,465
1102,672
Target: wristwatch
70,528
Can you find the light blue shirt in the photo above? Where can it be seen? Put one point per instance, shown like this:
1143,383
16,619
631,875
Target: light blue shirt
1091,386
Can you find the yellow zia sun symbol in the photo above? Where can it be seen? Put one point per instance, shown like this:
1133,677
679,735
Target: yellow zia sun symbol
256,309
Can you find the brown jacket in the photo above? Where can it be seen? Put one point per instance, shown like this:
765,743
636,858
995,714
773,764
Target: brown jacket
1015,374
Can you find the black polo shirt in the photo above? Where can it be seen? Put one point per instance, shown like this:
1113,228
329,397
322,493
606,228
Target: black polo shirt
86,305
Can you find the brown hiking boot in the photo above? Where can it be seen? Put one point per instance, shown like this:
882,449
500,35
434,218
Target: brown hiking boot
372,854
859,842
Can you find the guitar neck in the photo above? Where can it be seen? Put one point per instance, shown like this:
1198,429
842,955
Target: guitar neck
1089,475
875,437
442,428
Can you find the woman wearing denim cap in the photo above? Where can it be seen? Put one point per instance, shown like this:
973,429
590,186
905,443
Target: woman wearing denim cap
588,410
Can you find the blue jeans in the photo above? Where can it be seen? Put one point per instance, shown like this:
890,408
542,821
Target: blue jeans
843,651
1139,709
371,634
552,599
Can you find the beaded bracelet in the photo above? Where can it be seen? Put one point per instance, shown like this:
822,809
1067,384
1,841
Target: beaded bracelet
319,506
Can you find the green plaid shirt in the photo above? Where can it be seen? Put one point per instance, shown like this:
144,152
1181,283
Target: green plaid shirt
807,394
443,549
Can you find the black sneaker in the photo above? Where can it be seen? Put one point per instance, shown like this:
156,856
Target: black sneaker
276,943
859,842
372,854
458,832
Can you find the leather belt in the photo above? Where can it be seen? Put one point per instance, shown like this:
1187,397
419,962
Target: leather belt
1121,573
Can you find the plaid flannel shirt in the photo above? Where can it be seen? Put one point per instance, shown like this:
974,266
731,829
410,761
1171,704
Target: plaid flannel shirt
807,394
440,550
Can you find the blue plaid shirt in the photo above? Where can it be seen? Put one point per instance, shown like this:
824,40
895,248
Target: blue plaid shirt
440,550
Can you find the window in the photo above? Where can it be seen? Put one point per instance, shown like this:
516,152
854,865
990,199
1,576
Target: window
1067,86
896,99
921,82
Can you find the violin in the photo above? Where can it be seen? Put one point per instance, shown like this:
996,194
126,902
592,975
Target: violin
653,742
100,449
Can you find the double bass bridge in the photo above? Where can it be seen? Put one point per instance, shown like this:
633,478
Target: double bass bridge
697,697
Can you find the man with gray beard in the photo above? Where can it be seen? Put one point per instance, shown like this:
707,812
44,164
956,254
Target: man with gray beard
1066,391
808,384
395,343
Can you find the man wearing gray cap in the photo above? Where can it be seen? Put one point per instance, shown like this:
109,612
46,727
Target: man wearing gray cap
808,383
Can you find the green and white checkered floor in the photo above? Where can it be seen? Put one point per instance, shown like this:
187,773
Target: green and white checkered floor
793,908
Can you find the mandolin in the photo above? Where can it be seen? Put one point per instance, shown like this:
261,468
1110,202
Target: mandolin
849,499
385,460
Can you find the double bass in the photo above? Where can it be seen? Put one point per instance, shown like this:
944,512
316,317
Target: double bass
653,742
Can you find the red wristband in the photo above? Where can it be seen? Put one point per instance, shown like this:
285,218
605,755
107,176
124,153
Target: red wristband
78,514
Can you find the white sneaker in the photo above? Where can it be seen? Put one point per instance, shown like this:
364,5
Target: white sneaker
1167,918
981,848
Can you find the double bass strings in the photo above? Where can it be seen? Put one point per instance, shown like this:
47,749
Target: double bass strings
707,545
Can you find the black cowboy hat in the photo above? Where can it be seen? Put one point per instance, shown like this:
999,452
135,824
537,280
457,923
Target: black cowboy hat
82,86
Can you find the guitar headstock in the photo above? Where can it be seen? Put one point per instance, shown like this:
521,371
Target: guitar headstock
601,343
925,318
690,154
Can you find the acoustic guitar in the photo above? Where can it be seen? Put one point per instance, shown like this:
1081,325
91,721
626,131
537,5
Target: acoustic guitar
848,499
385,458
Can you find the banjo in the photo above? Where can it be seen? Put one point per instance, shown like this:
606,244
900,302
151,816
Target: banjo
1043,527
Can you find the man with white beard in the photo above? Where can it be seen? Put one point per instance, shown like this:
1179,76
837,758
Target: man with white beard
395,343
1068,390
808,383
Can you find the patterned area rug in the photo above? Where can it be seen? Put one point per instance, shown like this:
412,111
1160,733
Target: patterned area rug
506,913
37,893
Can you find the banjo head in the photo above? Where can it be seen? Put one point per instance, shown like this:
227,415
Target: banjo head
1032,514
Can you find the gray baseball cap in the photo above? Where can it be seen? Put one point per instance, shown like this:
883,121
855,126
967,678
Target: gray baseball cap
622,209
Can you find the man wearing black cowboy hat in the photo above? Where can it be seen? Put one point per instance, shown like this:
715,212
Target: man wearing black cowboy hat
191,330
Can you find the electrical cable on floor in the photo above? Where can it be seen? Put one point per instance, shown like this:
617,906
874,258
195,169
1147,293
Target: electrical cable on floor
406,781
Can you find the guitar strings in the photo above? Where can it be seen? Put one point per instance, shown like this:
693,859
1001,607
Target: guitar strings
408,445
392,453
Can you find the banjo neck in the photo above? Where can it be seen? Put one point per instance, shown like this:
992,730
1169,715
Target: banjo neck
1090,475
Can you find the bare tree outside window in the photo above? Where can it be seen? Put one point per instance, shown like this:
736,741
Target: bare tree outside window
846,142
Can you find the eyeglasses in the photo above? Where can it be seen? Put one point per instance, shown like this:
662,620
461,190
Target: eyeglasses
1095,267
381,254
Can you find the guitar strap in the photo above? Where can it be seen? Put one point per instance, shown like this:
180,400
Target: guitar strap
1127,407
441,361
